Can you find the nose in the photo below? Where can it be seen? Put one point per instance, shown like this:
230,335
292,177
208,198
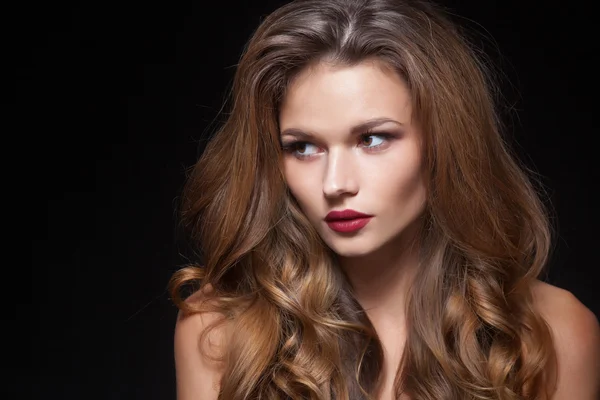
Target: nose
339,176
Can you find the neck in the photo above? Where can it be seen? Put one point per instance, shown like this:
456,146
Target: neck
381,280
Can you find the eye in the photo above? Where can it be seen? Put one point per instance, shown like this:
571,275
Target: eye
298,149
380,139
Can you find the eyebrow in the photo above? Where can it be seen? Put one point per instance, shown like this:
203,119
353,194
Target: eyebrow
357,129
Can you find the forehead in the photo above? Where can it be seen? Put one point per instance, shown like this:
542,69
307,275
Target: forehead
327,97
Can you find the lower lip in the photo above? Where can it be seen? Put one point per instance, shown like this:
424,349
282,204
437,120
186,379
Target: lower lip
348,225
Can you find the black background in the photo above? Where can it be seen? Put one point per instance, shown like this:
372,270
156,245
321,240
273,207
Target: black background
111,100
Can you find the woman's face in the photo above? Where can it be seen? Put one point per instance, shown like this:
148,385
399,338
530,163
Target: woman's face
350,143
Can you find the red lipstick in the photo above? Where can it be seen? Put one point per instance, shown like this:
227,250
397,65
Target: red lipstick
347,220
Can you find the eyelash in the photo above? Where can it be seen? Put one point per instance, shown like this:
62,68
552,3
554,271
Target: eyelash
292,146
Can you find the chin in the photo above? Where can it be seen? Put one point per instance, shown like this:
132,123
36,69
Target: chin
350,249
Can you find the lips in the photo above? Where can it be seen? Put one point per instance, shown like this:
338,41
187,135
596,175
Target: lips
345,215
347,221
348,225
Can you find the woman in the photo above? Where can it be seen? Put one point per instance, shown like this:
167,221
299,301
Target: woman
365,232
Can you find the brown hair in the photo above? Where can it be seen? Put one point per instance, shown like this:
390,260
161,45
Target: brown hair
300,333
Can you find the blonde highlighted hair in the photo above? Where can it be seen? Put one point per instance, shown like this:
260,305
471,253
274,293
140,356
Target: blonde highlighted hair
300,333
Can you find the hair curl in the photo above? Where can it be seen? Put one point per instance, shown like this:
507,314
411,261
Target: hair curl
300,333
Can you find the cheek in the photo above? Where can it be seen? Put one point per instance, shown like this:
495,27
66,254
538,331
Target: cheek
401,182
302,188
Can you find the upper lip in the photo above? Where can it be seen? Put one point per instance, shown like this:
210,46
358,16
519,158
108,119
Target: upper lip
345,214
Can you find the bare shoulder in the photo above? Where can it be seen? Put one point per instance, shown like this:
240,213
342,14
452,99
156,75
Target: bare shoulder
198,376
576,334
565,314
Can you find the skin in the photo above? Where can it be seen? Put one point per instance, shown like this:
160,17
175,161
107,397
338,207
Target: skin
336,169
342,171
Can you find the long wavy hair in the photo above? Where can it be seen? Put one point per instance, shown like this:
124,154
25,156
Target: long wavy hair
299,330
